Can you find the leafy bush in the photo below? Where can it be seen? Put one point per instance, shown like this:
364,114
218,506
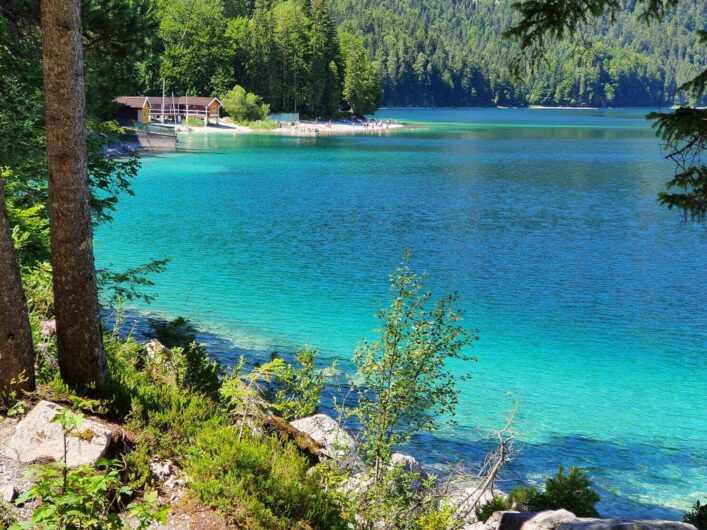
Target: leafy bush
188,361
697,516
519,498
571,491
299,388
496,504
406,381
258,483
244,106
400,500
85,497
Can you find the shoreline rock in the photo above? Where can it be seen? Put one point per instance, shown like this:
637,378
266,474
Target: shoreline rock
37,438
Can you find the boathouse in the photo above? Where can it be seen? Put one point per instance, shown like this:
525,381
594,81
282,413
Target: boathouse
135,108
179,109
168,109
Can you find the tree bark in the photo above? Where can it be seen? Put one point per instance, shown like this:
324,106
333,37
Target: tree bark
82,360
16,349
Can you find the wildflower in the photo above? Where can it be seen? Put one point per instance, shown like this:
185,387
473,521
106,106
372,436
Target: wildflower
48,327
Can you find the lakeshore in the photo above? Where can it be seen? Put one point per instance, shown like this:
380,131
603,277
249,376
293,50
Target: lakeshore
299,128
293,248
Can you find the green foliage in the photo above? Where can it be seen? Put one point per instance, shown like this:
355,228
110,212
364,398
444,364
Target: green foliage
697,516
130,285
194,122
259,483
400,500
520,497
261,125
299,388
242,394
496,504
361,84
443,54
187,360
7,515
11,401
244,106
570,491
84,497
285,51
407,383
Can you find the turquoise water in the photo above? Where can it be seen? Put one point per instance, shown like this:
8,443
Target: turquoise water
589,298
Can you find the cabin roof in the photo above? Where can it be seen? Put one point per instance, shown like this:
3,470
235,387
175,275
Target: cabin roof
134,102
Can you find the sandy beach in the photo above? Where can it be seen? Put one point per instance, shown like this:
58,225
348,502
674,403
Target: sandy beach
301,128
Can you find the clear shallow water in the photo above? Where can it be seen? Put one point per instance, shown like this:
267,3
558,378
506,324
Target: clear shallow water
590,299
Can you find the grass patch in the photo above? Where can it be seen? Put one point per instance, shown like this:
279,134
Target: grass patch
194,122
260,125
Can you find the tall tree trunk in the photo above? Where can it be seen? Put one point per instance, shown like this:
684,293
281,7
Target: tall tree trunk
82,358
16,350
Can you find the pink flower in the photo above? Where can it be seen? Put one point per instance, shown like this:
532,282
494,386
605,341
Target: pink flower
48,327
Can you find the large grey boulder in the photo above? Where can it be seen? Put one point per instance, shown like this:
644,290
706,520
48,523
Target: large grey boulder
614,524
405,462
545,520
335,441
36,438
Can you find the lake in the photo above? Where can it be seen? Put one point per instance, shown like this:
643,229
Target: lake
589,298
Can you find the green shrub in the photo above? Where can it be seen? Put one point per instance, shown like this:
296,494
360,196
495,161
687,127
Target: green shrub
406,385
188,361
571,491
244,106
496,504
258,483
84,497
697,516
400,500
299,387
519,498
137,467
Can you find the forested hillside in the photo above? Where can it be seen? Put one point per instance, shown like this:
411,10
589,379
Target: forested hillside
294,53
451,52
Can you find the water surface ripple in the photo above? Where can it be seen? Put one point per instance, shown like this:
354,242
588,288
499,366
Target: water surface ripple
589,298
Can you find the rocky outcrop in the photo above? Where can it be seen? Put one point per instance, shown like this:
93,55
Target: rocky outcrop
545,520
614,524
37,439
335,442
565,520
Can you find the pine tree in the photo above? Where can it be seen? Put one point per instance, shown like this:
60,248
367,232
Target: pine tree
16,350
82,359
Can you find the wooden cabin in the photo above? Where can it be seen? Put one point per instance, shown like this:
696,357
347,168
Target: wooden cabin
135,108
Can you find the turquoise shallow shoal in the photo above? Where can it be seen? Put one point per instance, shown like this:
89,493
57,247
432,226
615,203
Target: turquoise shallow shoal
590,299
